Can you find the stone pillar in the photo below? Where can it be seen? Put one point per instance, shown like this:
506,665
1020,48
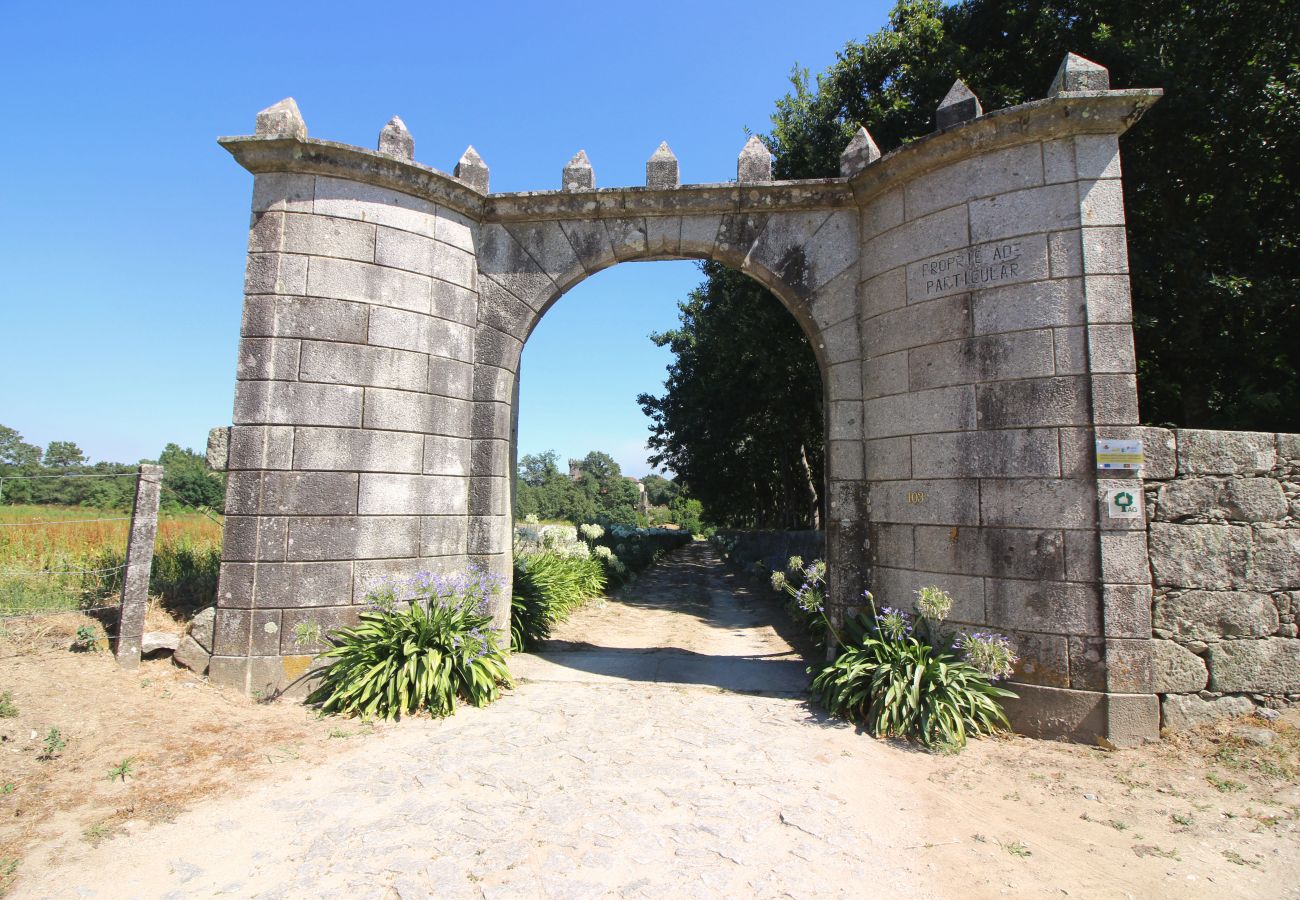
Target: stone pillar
139,560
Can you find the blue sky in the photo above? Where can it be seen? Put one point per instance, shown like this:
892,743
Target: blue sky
124,224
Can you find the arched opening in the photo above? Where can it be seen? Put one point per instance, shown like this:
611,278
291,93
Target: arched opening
692,618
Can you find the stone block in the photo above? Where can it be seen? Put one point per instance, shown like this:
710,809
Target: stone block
987,454
892,545
898,587
317,318
1097,155
1105,250
998,552
1060,400
283,191
1265,666
405,250
1052,712
1102,202
1129,666
860,153
489,534
948,501
491,457
1124,557
235,587
396,140
1082,555
1017,307
443,535
1274,559
267,359
292,493
318,235
1078,460
357,450
492,420
1182,712
489,496
1044,659
1058,161
1114,399
1021,354
399,329
926,236
217,456
344,279
253,538
233,630
1160,450
275,273
1109,299
884,375
1087,663
881,213
260,447
958,105
264,637
840,343
455,229
1037,502
1065,254
844,420
883,293
921,412
1053,207
1079,74
887,459
454,303
663,236
1070,346
1050,607
471,169
427,413
1200,556
288,585
1110,348
661,169
1203,452
446,455
282,120
845,460
699,235
383,494
549,247
299,625
353,537
577,174
1126,610
1214,615
995,172
1234,499
451,378
348,199
497,348
193,657
1176,670
754,163
844,381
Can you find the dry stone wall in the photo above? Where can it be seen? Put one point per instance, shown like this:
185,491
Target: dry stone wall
1224,511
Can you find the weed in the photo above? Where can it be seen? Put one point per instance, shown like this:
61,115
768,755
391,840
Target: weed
1151,850
1180,819
8,788
8,866
85,640
94,834
1233,856
54,743
122,770
306,634
341,733
1016,848
7,708
1224,785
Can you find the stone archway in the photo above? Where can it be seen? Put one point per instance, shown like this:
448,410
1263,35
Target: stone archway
967,298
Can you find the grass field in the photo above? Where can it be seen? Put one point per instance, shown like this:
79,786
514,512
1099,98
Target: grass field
65,558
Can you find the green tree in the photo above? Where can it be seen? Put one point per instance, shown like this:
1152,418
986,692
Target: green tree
15,453
63,455
187,479
659,491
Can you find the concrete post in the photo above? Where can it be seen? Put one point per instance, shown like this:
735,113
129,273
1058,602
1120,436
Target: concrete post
139,559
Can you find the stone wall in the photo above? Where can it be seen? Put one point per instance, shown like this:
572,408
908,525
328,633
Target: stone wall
1224,513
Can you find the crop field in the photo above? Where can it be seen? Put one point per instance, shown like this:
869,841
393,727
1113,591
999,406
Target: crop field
61,558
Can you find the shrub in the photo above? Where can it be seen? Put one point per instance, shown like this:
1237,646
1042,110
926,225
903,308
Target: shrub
548,587
421,654
902,676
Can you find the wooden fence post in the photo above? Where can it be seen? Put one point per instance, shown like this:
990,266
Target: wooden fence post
139,560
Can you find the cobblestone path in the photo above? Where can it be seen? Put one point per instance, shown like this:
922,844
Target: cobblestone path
659,746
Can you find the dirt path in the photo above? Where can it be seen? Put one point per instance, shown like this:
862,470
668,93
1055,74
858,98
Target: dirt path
660,746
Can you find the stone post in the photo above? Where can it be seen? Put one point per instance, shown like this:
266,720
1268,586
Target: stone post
139,559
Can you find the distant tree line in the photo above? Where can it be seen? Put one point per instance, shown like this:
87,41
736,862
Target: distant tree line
1212,195
597,491
186,477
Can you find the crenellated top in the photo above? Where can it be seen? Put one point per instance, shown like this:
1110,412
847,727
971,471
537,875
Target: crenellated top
1079,101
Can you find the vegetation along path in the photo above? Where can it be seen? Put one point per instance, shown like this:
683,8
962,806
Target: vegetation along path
658,745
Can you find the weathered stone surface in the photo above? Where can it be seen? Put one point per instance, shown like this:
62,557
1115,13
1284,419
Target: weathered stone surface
395,140
661,168
1233,499
959,105
1200,556
471,169
201,627
1266,666
1274,559
860,153
1181,712
578,174
1176,670
1225,452
1160,449
156,641
218,453
1079,74
1213,615
192,656
754,163
282,120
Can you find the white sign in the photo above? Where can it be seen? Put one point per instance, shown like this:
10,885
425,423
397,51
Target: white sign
1114,454
1124,503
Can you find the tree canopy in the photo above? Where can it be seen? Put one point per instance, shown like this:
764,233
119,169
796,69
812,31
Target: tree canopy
1211,176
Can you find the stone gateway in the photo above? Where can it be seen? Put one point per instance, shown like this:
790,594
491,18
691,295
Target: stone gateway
966,296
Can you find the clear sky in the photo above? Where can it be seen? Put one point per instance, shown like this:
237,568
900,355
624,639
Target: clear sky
123,224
